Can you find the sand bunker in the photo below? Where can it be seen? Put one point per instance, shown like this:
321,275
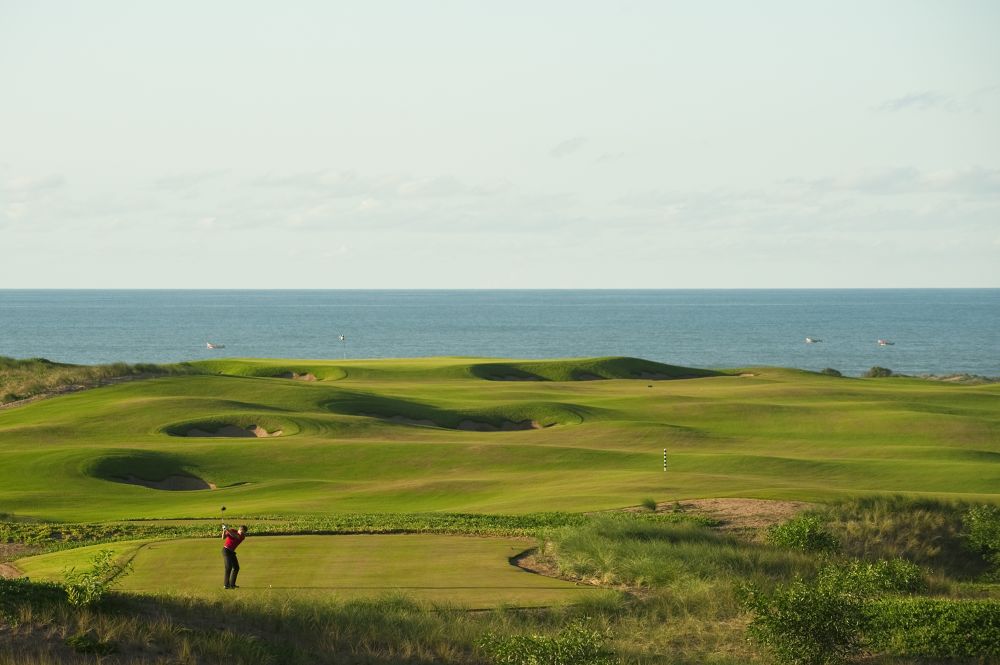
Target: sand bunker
308,376
250,431
170,483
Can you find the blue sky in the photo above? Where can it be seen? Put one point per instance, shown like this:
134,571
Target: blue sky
499,145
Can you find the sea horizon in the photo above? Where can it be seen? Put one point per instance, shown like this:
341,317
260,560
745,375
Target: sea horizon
929,331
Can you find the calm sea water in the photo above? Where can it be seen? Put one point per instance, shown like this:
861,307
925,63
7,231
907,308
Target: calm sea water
935,331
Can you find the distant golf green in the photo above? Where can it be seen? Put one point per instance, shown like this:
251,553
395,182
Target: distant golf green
468,571
302,437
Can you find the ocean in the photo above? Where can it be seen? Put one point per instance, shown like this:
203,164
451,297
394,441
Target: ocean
934,331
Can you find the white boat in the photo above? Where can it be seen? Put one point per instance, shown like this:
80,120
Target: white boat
214,346
812,340
885,342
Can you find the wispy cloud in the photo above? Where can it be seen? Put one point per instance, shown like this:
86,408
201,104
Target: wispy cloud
33,184
975,101
567,147
974,181
923,100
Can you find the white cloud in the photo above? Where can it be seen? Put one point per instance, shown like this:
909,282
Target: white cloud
567,147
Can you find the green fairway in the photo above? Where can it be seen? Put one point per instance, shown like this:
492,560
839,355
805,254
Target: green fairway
467,571
487,436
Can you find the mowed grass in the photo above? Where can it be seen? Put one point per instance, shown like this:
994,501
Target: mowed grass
397,436
464,571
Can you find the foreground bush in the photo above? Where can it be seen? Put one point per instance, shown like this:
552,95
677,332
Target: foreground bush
935,628
805,532
88,587
845,609
805,623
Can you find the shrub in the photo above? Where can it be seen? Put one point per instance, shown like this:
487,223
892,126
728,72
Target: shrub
87,588
878,372
805,623
829,371
804,532
575,644
982,530
649,504
935,628
866,578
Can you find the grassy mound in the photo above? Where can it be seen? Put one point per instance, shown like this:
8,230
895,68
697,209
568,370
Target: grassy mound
23,379
147,469
585,369
239,425
273,369
523,415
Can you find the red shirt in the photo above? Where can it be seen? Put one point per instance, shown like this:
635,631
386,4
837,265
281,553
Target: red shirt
233,539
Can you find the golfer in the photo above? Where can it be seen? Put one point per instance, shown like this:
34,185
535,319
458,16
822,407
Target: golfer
231,540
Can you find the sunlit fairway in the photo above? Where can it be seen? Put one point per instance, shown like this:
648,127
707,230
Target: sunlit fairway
400,436
464,571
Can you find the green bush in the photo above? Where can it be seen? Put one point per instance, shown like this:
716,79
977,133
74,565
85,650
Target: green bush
87,588
867,578
982,530
935,628
805,532
805,623
878,372
575,644
649,504
829,371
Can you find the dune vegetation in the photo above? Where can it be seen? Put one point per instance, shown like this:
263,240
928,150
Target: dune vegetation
386,499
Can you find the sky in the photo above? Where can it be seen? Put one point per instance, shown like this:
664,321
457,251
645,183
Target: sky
509,144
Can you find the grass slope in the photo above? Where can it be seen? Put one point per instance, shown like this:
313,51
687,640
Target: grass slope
770,433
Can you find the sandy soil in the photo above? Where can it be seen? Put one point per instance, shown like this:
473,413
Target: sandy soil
308,376
234,431
741,514
9,571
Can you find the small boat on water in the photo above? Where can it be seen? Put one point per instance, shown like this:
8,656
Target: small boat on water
812,340
214,346
885,342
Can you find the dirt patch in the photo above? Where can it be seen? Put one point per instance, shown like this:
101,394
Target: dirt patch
170,483
235,431
12,551
8,571
308,376
505,426
741,514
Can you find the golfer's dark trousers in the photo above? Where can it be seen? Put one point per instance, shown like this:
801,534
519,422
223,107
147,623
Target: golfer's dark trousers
232,566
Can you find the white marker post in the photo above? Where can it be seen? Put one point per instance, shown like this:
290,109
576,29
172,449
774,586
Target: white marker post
343,342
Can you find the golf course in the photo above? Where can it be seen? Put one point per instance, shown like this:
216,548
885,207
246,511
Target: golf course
545,493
